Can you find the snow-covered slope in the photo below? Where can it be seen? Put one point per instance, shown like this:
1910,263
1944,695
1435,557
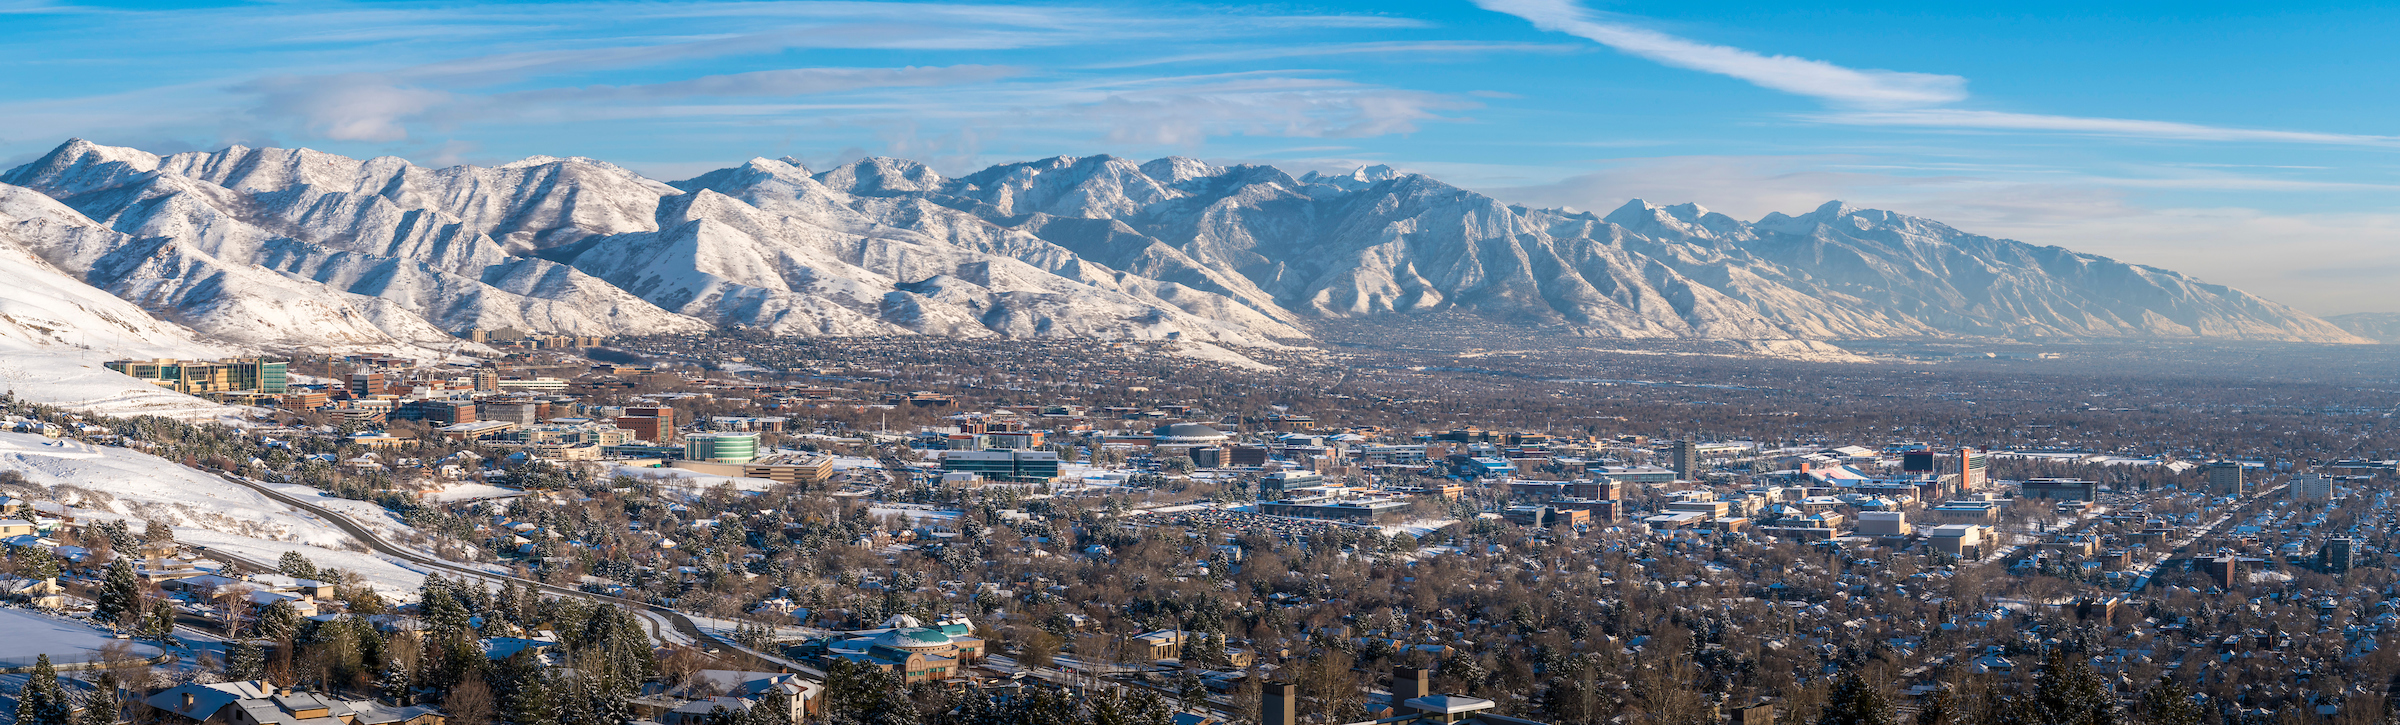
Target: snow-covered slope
43,308
1082,246
116,483
2383,327
55,330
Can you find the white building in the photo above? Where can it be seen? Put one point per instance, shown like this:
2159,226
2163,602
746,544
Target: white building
2312,488
1882,523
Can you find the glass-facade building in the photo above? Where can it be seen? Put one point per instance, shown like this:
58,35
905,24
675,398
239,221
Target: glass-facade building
204,376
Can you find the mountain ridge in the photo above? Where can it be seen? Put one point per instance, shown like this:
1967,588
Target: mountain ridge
275,247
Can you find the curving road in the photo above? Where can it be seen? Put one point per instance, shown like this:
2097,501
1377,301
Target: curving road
681,624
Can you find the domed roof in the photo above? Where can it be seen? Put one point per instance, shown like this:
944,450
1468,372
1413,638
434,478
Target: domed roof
1188,432
914,638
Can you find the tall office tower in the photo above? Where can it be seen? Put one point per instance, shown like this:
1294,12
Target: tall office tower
1973,466
2224,478
1684,458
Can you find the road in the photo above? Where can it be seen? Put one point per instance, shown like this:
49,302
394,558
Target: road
662,619
2184,545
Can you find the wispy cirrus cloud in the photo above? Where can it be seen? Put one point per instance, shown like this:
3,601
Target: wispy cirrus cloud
381,107
1185,114
2137,128
1867,97
1813,78
1334,49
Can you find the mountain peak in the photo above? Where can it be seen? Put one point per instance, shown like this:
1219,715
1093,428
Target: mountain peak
1359,178
876,175
1178,169
80,165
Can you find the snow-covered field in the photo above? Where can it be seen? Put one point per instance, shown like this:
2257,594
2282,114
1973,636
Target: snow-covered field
457,492
914,514
690,481
32,634
77,381
205,510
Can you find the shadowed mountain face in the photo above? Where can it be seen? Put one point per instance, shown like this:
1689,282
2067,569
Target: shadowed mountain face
242,242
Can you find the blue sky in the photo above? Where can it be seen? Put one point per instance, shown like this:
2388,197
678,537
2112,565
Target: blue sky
2252,145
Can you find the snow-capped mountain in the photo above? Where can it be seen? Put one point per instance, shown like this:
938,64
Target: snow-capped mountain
46,309
279,247
2381,327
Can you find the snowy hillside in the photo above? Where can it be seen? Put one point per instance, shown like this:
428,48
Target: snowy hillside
116,483
2381,327
278,247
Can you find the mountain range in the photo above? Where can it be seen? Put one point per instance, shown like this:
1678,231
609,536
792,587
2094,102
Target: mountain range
287,248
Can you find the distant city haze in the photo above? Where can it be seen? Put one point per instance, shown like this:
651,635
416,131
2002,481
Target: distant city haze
2246,146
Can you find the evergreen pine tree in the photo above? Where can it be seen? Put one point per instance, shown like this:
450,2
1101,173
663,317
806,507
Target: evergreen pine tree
36,562
279,621
1938,709
120,597
248,661
397,684
774,709
161,622
41,701
2167,703
528,700
296,565
100,706
1854,702
2067,692
510,605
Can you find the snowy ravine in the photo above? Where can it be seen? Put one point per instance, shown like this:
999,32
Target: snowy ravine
284,247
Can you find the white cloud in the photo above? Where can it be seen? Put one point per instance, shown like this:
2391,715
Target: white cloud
1801,76
348,107
2000,121
1315,51
1185,115
1874,97
381,108
784,82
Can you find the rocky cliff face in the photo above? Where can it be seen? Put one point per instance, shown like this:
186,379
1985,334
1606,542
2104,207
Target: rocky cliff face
281,247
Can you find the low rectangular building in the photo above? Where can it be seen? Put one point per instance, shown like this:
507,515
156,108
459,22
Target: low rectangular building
1005,465
1882,523
2070,489
1380,511
1965,541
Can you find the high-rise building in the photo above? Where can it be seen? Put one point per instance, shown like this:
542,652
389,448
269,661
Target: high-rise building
366,384
2222,570
2314,487
2339,554
1684,458
656,424
487,380
1973,468
2224,478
